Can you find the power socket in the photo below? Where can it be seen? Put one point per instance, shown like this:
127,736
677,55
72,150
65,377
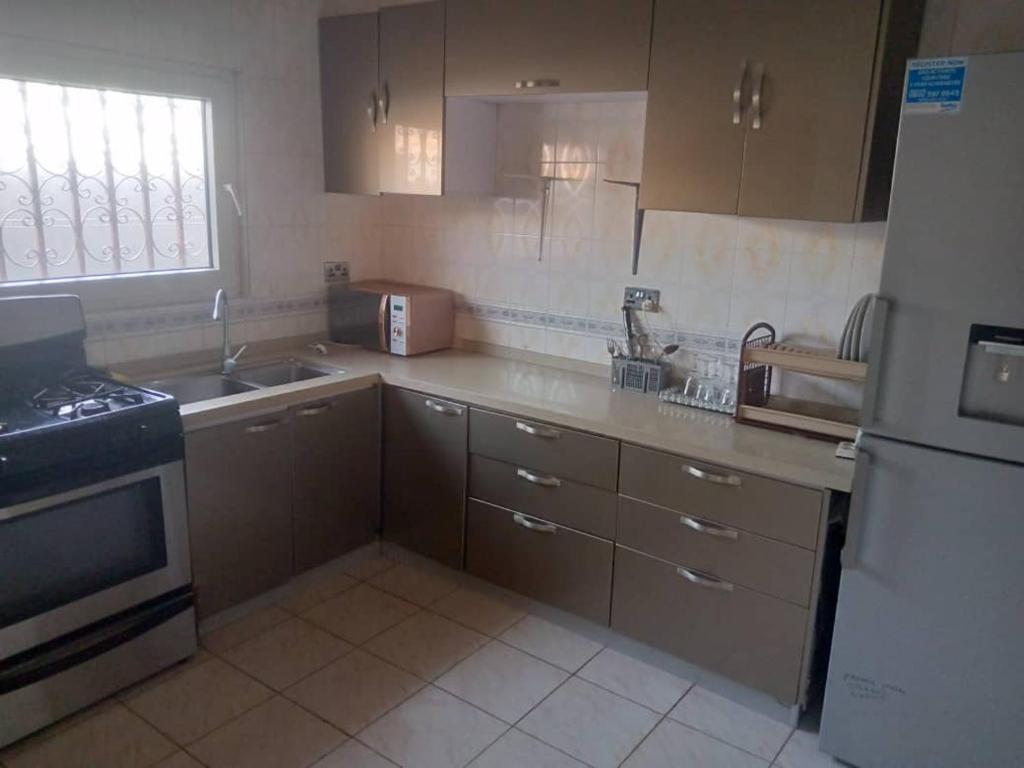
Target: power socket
336,272
647,299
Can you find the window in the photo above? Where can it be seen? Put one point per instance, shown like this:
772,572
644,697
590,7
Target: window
100,182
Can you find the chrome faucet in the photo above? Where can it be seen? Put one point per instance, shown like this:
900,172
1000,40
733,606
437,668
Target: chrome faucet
220,312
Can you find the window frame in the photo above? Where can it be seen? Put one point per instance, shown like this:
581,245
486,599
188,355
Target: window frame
23,59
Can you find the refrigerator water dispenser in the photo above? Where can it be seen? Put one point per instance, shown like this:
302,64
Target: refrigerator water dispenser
993,386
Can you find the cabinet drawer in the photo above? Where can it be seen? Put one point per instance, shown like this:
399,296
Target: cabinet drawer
559,566
741,634
765,565
524,489
561,452
768,507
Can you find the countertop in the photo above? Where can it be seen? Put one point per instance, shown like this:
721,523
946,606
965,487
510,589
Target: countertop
567,398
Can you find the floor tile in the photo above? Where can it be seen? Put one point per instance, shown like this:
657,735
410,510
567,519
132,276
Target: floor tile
200,656
731,722
672,745
634,679
242,629
352,754
518,750
433,729
179,760
354,691
364,566
426,644
313,588
417,585
502,680
276,734
199,700
479,611
801,751
551,642
287,653
109,736
590,723
360,613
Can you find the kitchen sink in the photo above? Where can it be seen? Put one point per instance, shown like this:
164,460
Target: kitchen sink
193,389
282,372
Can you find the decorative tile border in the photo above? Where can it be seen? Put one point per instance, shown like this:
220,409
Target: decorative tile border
691,341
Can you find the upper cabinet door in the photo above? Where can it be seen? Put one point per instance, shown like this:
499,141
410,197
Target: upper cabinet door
696,105
349,95
411,98
496,47
815,61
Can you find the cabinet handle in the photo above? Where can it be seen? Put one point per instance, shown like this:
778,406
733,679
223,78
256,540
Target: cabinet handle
371,111
532,477
385,104
265,426
711,477
541,83
711,529
315,410
703,580
530,525
546,432
447,410
755,100
737,95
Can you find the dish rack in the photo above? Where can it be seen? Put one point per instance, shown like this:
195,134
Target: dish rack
760,353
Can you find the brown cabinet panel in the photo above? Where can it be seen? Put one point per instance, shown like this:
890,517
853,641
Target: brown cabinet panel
425,474
348,94
539,494
562,452
240,513
693,150
562,567
767,507
583,45
815,64
336,476
741,634
762,564
409,136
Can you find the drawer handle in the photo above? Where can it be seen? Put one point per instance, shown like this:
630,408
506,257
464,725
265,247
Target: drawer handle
447,410
546,432
315,410
264,427
703,580
539,83
711,529
711,477
530,525
532,477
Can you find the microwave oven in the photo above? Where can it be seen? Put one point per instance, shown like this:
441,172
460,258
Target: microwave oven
391,317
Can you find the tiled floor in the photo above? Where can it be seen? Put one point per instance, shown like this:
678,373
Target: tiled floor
369,664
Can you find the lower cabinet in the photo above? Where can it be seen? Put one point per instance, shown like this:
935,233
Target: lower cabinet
560,566
239,509
336,476
424,489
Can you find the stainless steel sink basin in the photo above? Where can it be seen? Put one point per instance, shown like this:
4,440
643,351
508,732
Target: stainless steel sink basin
282,372
193,389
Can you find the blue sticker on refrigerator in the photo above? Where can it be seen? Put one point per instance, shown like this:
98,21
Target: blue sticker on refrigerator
935,86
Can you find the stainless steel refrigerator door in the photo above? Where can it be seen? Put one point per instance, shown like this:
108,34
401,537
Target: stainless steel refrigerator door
954,256
926,667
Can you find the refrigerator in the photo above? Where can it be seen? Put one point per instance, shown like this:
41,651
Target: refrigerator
927,658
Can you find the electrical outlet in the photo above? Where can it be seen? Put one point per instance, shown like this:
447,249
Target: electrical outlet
336,272
648,299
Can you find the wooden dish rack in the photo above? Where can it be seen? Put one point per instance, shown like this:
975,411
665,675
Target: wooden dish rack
760,353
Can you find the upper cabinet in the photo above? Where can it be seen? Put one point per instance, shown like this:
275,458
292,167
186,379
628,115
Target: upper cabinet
382,88
785,109
498,47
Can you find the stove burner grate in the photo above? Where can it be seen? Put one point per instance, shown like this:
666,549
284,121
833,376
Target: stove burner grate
82,395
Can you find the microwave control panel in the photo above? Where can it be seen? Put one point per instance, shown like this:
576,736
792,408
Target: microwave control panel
399,323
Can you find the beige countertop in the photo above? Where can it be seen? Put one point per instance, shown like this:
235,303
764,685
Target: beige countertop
578,400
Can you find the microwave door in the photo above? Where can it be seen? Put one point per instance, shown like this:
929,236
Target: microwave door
358,318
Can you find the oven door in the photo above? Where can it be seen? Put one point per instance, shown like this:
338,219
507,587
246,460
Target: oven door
80,556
